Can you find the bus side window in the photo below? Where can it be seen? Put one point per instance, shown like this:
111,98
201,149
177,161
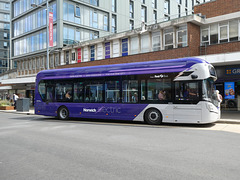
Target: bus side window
78,92
130,91
42,90
50,97
112,91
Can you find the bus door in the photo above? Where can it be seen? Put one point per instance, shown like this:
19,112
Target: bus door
186,107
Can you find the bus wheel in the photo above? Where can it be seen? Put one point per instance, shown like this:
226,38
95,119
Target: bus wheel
153,116
63,113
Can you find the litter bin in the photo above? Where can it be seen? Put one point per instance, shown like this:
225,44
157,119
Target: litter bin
22,104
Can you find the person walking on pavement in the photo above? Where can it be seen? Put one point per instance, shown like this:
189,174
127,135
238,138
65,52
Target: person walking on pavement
219,99
15,98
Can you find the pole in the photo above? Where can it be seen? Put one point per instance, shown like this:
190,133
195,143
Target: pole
47,62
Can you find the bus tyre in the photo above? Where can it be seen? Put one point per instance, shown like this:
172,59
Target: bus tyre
63,113
153,116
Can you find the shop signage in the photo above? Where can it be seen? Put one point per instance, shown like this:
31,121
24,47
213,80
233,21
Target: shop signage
232,71
229,89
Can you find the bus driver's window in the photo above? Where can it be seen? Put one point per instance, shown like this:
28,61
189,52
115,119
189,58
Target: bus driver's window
186,91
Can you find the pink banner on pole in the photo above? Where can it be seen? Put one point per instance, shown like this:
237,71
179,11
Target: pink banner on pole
50,29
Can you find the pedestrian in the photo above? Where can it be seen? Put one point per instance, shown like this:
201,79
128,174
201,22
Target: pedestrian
219,99
8,97
15,98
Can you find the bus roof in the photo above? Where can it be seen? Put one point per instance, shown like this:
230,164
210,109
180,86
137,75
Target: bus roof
147,67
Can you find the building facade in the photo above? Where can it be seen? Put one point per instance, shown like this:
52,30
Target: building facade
4,35
76,21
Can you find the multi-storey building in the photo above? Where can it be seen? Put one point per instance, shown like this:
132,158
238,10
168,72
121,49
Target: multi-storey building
79,21
4,34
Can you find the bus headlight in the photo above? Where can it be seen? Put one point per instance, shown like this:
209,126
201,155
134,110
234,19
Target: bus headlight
210,107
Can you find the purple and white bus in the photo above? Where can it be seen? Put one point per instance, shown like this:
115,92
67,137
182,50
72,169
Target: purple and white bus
172,91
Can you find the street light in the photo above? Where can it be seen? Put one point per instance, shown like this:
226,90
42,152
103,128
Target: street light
47,9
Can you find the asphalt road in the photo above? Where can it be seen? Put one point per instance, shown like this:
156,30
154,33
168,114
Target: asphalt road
37,147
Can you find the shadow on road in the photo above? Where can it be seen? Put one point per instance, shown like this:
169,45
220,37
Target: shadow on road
109,122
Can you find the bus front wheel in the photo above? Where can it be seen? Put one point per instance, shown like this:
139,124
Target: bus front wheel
63,113
153,116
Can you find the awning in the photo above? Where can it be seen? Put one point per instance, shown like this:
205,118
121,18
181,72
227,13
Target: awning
19,80
5,87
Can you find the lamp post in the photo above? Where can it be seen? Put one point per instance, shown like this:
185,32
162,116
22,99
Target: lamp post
47,9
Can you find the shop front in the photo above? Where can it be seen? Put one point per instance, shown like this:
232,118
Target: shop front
228,84
23,87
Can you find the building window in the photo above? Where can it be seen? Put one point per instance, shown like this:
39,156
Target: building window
166,17
134,45
94,2
94,35
5,44
92,51
131,25
5,35
131,9
168,39
182,36
145,44
223,29
155,16
114,9
125,47
179,11
73,56
116,48
26,65
144,14
205,36
156,41
94,19
67,57
105,23
214,34
179,1
233,30
186,11
42,62
51,61
114,23
154,4
77,12
186,3
167,7
143,1
77,36
107,50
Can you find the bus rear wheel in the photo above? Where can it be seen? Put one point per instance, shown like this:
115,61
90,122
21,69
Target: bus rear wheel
63,113
153,116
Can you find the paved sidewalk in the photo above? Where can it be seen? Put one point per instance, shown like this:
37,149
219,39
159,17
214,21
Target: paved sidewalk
228,117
